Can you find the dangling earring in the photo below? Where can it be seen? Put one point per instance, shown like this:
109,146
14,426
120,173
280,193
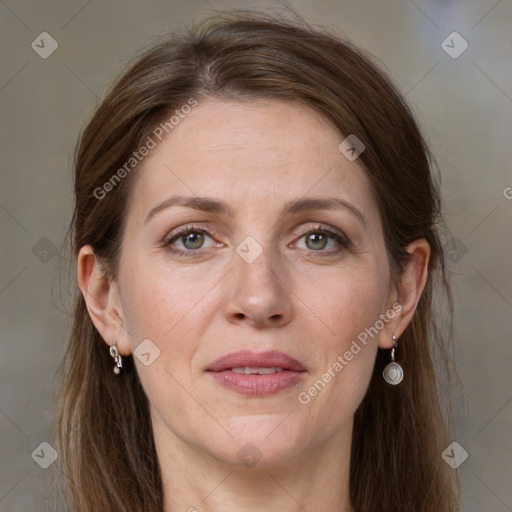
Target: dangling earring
117,359
393,373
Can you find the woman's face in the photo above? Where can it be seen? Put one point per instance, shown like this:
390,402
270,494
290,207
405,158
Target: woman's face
275,244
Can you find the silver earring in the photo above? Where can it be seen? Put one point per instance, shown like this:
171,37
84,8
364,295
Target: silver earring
393,373
117,359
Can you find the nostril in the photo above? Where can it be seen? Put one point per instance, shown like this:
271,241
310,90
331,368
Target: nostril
240,316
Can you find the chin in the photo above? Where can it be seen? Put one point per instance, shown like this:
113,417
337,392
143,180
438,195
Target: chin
255,454
261,447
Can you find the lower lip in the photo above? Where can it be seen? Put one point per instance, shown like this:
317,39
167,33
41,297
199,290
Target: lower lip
256,384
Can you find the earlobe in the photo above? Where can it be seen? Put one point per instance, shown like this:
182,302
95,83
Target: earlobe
101,298
408,290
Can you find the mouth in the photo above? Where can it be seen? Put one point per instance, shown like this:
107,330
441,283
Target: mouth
252,362
260,371
257,373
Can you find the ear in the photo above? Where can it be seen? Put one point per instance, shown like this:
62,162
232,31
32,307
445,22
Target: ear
102,299
407,292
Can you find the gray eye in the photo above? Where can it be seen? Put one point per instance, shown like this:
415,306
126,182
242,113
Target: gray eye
316,241
193,240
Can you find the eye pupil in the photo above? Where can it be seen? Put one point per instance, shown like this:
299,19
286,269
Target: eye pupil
318,241
193,240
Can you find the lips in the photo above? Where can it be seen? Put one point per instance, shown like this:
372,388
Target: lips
249,359
257,374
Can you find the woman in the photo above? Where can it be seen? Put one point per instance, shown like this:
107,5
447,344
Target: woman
257,254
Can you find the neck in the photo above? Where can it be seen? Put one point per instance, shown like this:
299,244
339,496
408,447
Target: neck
316,480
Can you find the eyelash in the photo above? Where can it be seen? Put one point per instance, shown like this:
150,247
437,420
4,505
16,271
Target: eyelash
344,242
180,233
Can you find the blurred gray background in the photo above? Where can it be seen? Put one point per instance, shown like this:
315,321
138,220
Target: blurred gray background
462,98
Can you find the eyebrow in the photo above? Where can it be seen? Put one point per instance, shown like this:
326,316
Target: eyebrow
210,205
329,203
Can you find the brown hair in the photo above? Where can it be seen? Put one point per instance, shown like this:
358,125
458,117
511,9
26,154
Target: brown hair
102,425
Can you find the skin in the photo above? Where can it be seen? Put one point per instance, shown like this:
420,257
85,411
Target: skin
255,156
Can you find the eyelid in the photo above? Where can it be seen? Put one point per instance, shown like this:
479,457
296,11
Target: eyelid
206,229
319,227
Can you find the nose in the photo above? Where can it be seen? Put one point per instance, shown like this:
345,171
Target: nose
258,293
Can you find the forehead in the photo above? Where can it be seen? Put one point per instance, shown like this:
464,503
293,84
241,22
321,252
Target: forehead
261,152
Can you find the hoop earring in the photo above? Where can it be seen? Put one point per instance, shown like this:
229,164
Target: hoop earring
117,359
393,373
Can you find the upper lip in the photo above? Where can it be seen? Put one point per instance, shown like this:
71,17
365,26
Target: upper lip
247,358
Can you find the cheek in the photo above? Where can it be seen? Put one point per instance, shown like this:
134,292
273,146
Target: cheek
348,307
160,304
171,311
346,301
